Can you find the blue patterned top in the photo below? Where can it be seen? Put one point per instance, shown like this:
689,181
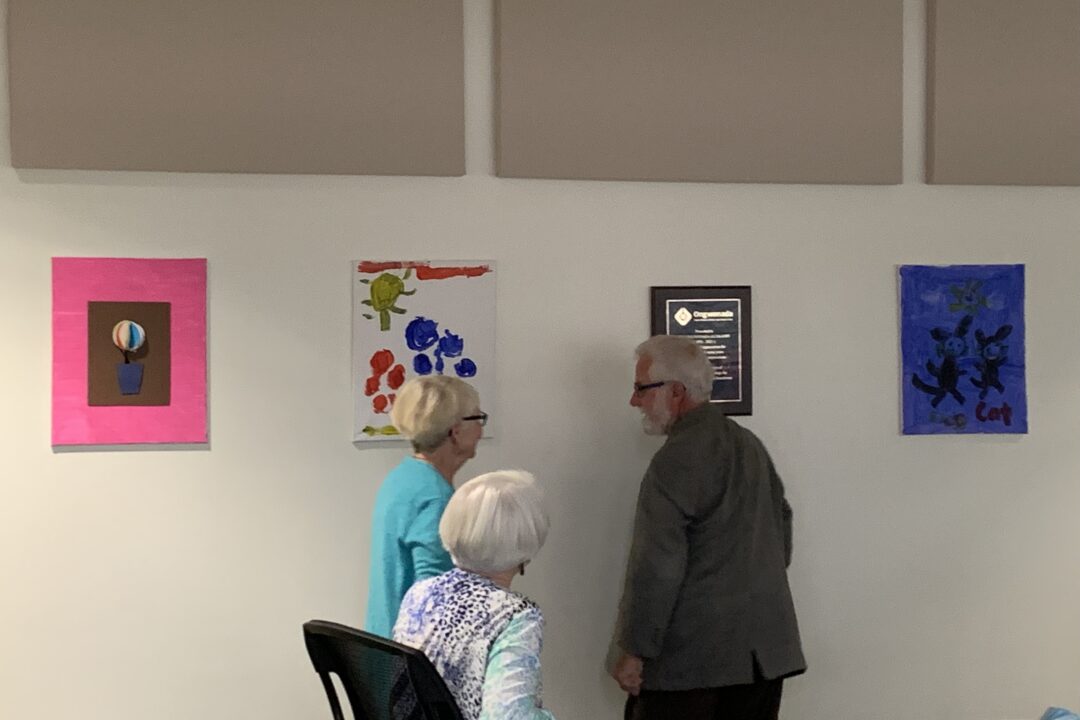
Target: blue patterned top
483,639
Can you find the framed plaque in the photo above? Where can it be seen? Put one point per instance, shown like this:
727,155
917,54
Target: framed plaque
718,318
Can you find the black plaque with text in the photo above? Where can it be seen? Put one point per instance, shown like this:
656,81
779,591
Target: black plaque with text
718,318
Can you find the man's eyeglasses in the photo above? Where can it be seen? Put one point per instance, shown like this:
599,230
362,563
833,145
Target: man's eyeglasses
480,418
641,388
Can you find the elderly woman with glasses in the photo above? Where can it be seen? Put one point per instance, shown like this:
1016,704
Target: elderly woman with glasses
482,637
441,416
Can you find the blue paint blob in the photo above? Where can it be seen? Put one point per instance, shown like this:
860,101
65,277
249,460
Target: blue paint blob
421,333
450,344
421,364
465,368
439,364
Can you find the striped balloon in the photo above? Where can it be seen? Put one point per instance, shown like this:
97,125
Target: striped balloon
128,335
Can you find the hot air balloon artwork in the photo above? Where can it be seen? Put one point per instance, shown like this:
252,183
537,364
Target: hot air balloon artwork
129,351
129,336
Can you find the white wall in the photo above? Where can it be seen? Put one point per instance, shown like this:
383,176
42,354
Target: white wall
934,577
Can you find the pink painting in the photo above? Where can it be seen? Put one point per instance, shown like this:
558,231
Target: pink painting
169,404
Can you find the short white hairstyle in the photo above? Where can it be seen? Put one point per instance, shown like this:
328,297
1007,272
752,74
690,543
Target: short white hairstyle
495,522
427,407
679,359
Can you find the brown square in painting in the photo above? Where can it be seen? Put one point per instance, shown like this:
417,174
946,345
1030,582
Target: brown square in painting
111,380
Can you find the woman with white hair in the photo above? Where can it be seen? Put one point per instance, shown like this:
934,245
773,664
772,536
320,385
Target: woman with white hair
483,637
441,416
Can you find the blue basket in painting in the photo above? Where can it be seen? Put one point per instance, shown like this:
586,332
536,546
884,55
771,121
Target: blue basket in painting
129,375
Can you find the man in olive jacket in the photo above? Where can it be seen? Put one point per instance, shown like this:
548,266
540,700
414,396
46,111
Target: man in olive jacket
707,626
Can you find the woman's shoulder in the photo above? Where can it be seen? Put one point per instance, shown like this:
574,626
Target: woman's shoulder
476,590
422,599
525,624
441,584
519,608
529,613
524,602
414,480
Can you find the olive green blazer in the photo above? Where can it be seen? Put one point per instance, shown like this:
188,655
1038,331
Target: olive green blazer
707,593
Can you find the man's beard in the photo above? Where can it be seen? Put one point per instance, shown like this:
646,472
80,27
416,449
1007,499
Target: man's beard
658,422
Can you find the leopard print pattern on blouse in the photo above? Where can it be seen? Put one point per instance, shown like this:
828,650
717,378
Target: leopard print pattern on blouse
454,618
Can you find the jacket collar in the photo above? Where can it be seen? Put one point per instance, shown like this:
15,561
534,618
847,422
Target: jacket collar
695,417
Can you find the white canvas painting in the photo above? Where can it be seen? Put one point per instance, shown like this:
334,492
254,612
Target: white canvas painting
413,318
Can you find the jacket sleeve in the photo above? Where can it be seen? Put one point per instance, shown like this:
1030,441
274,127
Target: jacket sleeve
658,557
783,511
512,686
429,557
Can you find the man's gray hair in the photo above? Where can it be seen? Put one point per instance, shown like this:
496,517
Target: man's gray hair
427,407
679,359
494,522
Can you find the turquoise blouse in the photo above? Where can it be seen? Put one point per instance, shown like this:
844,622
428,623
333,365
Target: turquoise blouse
405,544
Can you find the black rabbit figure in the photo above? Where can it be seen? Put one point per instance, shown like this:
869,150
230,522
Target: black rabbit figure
992,355
951,347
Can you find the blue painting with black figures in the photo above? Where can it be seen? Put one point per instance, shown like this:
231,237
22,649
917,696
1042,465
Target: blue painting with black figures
422,335
962,348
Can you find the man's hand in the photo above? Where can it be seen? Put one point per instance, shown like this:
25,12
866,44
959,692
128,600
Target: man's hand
627,673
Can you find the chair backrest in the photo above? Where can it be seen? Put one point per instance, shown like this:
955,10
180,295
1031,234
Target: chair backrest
383,680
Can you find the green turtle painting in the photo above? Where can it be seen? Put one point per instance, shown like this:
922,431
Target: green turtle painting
385,291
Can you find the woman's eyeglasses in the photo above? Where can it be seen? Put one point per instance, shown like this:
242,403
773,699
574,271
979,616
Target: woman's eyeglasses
480,418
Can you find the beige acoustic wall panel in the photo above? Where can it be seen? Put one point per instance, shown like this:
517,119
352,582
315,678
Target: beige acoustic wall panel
1003,92
700,90
266,86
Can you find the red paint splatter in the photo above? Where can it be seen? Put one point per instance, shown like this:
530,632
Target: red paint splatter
367,266
396,377
381,361
424,271
393,397
380,403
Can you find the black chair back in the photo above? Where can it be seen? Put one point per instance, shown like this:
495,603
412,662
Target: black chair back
383,680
